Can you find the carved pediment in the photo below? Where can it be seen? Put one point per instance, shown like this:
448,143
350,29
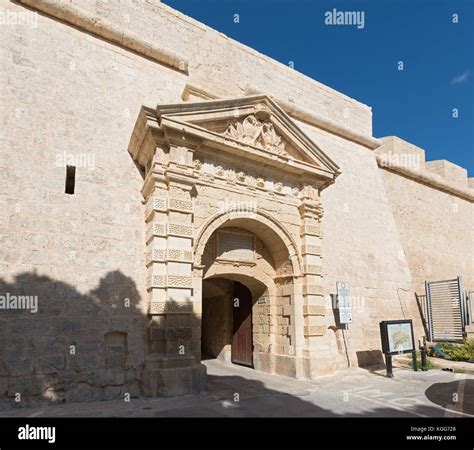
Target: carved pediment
253,130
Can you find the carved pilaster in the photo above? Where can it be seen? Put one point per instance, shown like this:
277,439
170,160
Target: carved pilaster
311,212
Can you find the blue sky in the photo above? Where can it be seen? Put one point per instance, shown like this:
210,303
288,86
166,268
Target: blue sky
415,104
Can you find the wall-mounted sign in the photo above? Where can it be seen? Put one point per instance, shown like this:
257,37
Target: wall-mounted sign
397,337
344,301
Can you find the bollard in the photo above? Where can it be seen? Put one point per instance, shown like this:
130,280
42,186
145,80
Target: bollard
413,358
388,363
424,367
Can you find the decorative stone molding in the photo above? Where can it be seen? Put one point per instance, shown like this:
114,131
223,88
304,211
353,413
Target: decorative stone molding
171,307
175,204
177,229
156,229
156,255
179,255
167,204
163,255
156,281
168,229
312,230
179,281
197,165
165,281
178,333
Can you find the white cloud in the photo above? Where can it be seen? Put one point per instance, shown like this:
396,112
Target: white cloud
461,78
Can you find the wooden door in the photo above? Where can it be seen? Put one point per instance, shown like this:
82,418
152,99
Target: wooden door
242,345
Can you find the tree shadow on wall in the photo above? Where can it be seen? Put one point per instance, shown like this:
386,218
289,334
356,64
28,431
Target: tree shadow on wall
76,347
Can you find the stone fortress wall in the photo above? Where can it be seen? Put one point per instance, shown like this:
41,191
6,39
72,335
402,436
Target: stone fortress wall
75,85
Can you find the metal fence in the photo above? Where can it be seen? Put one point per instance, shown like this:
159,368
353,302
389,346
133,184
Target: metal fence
446,315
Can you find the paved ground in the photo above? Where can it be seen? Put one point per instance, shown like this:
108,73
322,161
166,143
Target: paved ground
236,391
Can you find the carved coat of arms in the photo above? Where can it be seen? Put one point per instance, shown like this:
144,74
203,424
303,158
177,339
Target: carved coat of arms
255,132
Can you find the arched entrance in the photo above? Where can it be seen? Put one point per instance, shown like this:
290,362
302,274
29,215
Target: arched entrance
247,296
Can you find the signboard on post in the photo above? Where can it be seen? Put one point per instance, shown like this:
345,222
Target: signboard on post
344,301
397,338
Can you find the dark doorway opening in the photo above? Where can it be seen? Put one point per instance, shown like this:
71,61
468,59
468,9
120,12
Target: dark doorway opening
242,344
226,327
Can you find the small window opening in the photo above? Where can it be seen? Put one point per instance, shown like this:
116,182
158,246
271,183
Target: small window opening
70,179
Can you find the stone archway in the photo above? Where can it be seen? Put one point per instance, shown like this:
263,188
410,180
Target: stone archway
256,220
268,272
199,160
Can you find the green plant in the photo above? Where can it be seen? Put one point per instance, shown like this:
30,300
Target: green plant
458,352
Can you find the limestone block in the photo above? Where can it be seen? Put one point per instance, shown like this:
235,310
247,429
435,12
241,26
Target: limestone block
448,170
314,310
26,386
174,381
396,151
314,330
50,364
19,366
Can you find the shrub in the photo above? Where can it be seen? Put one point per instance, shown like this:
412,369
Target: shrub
455,352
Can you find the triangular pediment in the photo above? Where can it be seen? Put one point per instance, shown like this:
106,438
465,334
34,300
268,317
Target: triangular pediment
255,121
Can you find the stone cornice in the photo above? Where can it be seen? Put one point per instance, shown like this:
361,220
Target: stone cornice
212,139
79,17
299,113
430,179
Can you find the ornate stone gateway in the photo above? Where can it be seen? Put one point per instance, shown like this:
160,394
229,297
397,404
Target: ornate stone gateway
231,192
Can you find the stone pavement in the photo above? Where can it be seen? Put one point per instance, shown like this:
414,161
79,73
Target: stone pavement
236,391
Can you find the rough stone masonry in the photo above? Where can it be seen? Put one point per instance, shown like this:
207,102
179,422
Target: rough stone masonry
199,168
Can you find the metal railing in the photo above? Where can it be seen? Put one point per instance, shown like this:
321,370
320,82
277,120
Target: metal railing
445,312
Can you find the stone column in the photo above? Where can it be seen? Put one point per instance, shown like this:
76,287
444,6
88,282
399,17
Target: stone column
314,309
173,364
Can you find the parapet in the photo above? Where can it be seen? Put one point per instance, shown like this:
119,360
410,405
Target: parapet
407,159
449,171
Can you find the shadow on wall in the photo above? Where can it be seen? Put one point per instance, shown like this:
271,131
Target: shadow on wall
76,347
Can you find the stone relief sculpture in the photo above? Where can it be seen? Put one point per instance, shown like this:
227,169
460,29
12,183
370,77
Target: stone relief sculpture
255,132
